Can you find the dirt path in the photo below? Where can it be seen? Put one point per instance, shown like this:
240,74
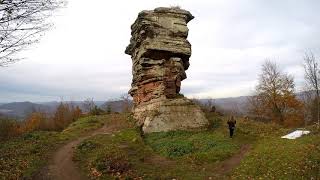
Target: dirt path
229,164
62,166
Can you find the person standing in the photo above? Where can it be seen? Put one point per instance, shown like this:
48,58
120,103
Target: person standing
232,125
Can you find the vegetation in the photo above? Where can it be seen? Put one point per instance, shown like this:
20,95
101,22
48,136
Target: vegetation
8,128
22,24
22,156
196,147
124,153
180,154
312,76
276,158
64,115
275,97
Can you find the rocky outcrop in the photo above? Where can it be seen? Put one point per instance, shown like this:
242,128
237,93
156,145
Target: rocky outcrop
160,55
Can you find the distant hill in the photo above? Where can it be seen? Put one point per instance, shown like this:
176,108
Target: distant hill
75,103
20,109
238,104
232,104
116,106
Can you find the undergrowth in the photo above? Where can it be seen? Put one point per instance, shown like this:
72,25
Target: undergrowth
23,156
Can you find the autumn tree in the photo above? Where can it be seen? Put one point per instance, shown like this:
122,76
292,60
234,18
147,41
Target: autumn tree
62,117
76,113
312,77
35,121
275,97
22,23
8,128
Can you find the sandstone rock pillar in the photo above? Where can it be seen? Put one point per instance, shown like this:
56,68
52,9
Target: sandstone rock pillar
160,55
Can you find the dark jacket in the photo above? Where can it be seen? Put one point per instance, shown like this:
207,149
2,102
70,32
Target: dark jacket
232,123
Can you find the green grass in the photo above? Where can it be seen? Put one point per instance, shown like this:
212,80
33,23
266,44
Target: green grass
125,155
21,157
82,126
164,155
199,147
167,155
276,158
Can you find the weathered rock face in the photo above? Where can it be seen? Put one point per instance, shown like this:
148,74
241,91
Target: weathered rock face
160,55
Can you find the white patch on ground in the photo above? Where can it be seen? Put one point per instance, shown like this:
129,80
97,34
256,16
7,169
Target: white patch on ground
295,134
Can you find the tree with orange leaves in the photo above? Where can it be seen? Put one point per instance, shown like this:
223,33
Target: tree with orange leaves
76,113
34,121
275,98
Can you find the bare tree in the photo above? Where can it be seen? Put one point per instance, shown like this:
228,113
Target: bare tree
88,105
126,103
210,105
309,105
22,23
312,71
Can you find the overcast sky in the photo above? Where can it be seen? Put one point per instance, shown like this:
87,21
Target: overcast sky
83,56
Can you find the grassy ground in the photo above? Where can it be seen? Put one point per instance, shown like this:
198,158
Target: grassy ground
158,155
124,153
195,155
276,158
21,157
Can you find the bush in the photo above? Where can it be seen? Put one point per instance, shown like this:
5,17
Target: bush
9,128
87,145
215,121
96,111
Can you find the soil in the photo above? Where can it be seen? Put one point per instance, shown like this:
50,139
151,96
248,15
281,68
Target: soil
227,165
62,166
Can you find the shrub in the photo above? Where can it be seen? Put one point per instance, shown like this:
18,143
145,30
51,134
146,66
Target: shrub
9,128
215,121
96,111
87,145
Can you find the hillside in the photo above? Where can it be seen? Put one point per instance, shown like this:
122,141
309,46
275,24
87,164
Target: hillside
231,104
110,147
21,109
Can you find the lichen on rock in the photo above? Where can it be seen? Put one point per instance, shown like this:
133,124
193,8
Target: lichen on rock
160,55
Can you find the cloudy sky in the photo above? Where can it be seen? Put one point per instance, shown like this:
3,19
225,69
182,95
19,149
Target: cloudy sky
83,56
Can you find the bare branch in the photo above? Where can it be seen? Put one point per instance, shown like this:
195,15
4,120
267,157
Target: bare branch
22,23
311,68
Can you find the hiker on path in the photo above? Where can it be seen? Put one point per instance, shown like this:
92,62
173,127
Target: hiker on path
232,125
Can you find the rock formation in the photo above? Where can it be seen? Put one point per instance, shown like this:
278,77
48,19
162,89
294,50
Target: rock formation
160,55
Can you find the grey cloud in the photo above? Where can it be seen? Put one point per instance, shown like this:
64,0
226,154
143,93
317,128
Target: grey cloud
83,56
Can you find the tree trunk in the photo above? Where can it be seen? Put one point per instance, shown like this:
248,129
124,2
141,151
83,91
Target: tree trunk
318,112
